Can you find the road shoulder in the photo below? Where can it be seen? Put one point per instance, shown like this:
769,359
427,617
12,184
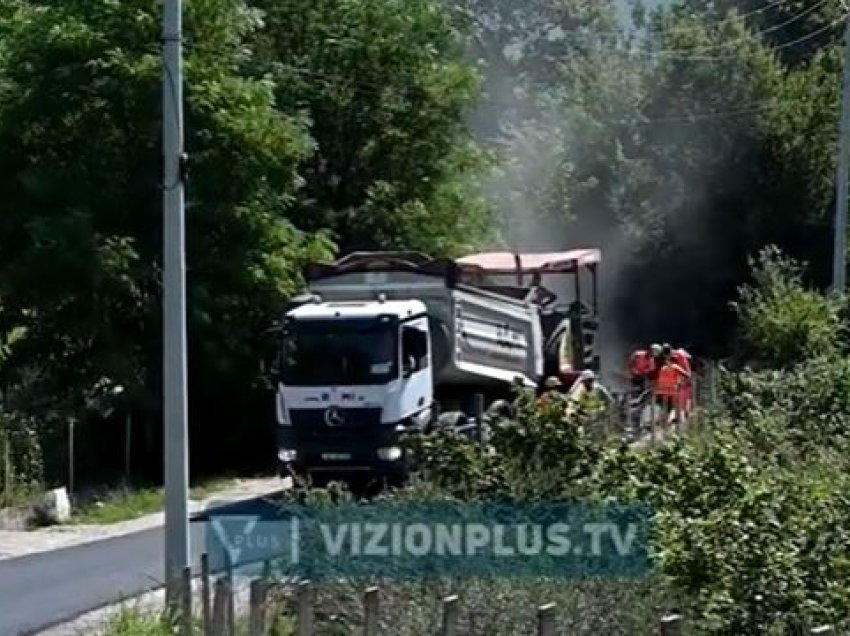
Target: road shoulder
20,543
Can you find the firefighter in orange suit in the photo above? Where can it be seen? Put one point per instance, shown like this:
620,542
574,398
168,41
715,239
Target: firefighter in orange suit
683,359
668,386
643,366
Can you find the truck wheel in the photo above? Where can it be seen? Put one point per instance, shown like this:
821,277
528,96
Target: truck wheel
450,420
499,409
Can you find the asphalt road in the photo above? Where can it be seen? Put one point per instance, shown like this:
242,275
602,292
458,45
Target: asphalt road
45,589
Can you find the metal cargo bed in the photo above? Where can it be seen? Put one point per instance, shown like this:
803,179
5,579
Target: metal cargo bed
484,329
478,336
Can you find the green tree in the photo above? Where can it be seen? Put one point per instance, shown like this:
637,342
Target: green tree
80,210
782,322
385,89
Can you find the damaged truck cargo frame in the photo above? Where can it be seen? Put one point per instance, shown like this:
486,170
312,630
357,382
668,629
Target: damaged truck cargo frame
389,343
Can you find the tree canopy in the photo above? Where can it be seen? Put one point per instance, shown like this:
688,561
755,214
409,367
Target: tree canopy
679,138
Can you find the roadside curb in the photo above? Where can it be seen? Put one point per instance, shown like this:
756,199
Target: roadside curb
20,543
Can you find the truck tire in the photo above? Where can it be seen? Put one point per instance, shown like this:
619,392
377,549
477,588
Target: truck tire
500,409
451,420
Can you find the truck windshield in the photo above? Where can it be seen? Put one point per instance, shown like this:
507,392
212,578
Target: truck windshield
350,352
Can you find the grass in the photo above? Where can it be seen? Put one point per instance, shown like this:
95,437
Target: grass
496,608
125,504
503,607
130,621
20,495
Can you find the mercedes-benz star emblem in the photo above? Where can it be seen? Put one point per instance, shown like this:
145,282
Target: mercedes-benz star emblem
334,417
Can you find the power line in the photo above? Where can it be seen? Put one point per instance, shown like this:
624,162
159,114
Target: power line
712,24
380,88
730,18
750,109
722,45
687,53
682,54
709,25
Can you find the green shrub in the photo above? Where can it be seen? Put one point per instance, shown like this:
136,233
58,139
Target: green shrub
807,406
21,461
781,321
748,531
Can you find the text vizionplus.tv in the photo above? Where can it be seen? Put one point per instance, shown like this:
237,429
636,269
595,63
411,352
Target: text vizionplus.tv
474,539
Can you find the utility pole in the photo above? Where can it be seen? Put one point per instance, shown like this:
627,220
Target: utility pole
839,263
174,306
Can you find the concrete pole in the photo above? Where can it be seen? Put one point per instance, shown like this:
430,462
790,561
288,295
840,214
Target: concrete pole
839,265
174,307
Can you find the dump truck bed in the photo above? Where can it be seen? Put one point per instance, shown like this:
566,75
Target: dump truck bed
478,336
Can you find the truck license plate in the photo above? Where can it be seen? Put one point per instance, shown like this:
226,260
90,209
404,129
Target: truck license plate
336,457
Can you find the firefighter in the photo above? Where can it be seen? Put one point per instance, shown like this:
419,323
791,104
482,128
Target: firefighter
585,388
668,388
642,365
552,389
683,359
657,352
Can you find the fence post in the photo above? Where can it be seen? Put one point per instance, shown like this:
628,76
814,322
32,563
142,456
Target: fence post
231,604
259,593
219,626
671,625
478,414
370,611
546,620
653,422
450,615
186,601
71,422
304,609
205,595
7,465
696,385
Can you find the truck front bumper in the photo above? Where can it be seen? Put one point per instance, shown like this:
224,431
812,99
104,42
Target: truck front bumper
374,453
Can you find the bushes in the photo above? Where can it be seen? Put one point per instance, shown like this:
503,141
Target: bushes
750,519
781,321
19,445
750,512
807,406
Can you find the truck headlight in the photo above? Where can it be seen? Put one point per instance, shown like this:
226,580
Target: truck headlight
287,454
389,454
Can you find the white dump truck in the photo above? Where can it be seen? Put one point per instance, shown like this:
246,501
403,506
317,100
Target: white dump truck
387,343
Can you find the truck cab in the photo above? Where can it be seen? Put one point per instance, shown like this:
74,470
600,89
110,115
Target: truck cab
352,378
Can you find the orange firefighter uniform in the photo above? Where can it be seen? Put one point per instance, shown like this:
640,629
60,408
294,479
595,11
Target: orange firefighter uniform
685,398
641,363
641,369
668,387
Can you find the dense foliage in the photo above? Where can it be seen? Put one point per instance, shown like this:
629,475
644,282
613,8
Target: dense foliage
680,138
750,505
339,123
